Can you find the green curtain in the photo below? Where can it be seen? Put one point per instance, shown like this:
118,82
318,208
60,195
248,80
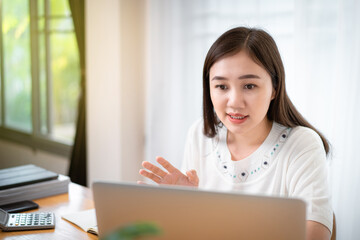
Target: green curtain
77,169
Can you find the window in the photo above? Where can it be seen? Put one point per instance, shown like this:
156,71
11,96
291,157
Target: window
40,74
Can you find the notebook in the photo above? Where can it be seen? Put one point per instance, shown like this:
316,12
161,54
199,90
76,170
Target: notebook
86,220
164,212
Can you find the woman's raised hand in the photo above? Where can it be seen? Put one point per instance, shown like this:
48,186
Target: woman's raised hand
173,176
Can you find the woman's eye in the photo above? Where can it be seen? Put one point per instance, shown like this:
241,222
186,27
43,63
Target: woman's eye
249,86
222,87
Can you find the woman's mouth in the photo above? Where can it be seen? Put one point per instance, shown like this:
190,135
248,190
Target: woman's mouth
237,118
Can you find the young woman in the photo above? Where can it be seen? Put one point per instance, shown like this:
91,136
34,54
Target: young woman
251,138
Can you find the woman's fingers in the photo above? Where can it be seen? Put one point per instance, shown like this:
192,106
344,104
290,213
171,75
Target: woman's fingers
193,177
150,175
167,165
173,176
154,169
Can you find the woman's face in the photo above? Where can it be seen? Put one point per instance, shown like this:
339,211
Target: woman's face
241,92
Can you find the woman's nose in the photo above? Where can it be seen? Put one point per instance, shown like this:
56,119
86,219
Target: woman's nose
236,99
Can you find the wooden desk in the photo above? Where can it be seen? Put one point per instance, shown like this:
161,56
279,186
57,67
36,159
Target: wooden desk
79,198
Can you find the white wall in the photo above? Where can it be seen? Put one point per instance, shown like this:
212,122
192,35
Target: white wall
115,88
12,154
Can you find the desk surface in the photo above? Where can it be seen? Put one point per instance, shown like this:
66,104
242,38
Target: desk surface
79,198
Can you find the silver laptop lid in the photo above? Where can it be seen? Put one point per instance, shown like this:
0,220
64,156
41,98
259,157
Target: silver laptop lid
185,213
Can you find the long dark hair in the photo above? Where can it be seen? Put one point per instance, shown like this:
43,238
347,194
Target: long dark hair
262,48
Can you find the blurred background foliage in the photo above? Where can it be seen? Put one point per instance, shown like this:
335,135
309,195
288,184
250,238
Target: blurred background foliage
57,62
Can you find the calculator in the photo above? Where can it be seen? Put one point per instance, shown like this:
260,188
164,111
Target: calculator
26,221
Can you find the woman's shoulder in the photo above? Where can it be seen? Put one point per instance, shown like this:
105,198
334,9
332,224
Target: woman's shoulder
305,134
302,139
196,132
197,126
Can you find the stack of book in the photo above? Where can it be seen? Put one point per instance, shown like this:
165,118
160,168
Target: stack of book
29,182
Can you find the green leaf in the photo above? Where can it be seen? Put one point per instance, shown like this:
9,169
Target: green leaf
133,231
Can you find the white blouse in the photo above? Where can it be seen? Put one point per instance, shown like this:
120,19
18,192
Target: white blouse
289,163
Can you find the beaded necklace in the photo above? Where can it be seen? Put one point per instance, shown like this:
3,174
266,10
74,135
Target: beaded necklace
257,163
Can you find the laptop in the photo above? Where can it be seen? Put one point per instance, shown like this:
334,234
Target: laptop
188,213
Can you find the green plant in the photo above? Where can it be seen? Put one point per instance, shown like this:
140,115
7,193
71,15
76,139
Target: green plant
134,231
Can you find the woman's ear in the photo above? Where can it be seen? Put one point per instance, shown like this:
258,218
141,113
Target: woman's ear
273,94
